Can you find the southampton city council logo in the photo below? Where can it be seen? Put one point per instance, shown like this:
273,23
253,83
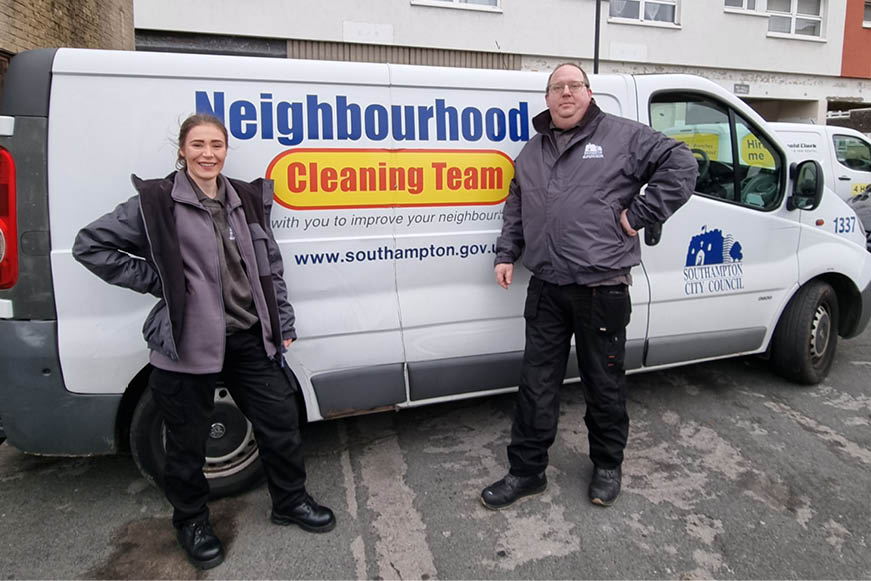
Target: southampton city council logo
713,264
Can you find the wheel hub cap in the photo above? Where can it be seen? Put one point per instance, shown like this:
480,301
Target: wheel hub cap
820,332
217,431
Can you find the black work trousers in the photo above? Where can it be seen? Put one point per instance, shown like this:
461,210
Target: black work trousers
597,317
262,392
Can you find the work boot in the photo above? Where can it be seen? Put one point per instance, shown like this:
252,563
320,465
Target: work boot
605,485
511,488
308,514
203,548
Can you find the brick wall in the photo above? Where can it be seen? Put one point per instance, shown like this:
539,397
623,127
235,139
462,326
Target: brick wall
26,24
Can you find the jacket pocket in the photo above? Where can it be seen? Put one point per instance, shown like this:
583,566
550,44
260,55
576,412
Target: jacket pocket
260,240
157,331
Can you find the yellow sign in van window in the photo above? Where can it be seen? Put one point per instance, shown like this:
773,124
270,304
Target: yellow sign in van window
707,142
317,179
754,152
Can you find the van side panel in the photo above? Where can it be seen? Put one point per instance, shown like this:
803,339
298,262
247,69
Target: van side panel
39,414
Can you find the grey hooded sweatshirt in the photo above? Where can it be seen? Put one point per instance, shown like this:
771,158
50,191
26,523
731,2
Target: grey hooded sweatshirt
563,209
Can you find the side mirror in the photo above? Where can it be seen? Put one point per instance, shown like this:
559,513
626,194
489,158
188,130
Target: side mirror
807,185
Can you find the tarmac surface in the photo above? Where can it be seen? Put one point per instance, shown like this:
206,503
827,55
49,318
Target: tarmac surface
731,472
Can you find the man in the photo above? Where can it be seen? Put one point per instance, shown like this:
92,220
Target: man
574,212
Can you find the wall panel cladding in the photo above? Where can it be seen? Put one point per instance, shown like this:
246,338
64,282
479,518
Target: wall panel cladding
26,24
404,55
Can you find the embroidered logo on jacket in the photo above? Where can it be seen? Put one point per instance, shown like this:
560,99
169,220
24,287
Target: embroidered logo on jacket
593,151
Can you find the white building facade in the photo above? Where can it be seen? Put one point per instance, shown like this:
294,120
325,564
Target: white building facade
784,57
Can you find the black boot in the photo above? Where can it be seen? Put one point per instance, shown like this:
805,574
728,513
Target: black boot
308,514
605,486
511,488
203,548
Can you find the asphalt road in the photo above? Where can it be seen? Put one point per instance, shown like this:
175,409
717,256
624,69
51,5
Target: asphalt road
730,472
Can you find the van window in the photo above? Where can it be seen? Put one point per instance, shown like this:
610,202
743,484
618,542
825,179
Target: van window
737,163
852,152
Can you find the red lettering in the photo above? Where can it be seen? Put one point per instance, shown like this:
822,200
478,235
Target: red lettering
313,175
439,166
293,170
455,178
328,179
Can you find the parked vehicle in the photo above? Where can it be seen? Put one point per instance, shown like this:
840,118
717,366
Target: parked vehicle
844,153
389,186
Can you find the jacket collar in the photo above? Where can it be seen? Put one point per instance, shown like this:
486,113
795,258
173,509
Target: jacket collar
183,192
542,121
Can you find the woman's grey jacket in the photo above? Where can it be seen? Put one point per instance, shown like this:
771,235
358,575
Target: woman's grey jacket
162,242
563,209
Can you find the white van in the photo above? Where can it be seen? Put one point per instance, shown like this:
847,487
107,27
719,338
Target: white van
389,189
845,154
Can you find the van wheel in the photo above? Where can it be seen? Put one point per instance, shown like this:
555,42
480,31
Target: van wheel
232,459
806,336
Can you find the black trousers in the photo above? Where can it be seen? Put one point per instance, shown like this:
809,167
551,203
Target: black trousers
262,392
597,317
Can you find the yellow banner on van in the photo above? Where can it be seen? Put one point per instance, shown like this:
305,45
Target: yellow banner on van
754,152
319,179
858,189
709,143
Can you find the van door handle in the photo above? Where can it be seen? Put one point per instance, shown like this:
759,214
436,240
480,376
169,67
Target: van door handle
653,233
844,178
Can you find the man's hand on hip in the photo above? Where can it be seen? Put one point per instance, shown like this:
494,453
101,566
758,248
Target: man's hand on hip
624,221
504,274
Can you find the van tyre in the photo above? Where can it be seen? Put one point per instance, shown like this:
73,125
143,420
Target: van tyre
232,459
806,337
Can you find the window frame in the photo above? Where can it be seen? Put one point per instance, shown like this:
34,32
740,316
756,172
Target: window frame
844,136
794,15
866,15
641,20
743,8
459,5
733,117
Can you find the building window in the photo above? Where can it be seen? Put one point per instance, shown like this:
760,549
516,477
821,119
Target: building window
796,17
742,4
866,20
645,10
488,5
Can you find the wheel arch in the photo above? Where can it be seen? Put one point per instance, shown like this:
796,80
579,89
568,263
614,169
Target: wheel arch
849,302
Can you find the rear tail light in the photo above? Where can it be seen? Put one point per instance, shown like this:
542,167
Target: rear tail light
8,222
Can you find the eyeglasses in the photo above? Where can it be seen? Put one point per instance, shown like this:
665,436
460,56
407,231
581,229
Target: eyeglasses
574,87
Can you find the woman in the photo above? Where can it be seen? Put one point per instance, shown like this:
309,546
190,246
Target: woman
202,244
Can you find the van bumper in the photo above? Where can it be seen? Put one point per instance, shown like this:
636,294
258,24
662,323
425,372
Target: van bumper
39,415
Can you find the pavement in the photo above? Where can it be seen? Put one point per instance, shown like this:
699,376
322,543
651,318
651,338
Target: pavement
731,473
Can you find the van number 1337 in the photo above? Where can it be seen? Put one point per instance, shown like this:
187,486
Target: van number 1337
845,224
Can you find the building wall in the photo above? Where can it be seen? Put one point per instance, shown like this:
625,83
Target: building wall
26,24
706,35
794,78
857,42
